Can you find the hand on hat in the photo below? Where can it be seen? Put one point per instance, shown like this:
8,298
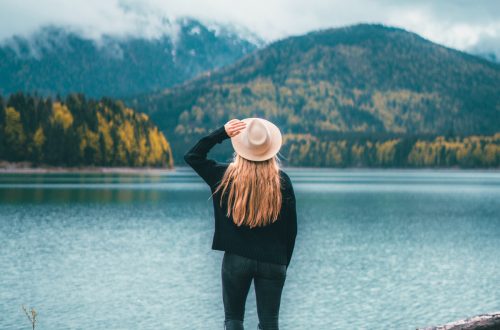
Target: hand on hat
234,127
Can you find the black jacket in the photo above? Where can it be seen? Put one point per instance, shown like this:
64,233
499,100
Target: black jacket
272,243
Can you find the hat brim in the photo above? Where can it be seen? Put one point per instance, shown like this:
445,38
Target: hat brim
242,149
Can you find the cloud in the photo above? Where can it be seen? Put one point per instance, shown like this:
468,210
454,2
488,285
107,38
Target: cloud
451,23
465,25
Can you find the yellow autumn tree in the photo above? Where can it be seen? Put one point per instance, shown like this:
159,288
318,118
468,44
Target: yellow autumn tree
61,115
38,143
105,140
158,146
89,145
127,136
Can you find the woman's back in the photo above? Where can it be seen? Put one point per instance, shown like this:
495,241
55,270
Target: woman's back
255,217
272,243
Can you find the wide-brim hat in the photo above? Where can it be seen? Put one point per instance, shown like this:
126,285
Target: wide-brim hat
258,141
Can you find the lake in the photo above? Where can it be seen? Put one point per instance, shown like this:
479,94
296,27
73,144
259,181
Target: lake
376,249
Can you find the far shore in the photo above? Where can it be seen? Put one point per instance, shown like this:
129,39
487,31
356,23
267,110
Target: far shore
26,168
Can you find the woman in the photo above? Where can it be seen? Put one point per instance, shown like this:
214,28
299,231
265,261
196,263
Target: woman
255,216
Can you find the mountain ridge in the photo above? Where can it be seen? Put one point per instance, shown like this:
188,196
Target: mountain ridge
364,80
226,69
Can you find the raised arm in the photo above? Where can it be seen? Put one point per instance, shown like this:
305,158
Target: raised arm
196,157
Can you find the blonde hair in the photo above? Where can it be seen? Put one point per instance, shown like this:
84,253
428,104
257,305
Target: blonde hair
254,187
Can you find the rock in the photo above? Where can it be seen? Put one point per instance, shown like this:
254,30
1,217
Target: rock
480,322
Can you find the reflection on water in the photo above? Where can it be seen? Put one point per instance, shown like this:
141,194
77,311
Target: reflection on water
376,249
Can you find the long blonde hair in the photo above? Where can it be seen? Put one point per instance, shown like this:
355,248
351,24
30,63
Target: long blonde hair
254,191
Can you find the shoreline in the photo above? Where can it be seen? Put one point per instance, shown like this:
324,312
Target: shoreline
20,169
28,168
157,171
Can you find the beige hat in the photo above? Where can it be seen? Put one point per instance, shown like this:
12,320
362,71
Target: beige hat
259,140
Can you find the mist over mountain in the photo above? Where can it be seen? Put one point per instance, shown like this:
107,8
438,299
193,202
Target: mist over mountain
55,60
487,47
487,56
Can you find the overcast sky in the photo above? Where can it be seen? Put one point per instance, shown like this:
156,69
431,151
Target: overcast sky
460,24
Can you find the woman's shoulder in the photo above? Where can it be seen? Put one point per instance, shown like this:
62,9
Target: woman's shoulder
287,182
284,175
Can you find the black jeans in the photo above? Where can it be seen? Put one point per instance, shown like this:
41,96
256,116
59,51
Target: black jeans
269,279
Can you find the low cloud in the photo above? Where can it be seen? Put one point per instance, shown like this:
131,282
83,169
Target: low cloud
465,25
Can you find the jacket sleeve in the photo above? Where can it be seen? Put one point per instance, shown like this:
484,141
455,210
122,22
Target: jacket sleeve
292,226
196,157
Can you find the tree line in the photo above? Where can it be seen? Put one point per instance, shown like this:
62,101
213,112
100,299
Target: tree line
404,151
77,131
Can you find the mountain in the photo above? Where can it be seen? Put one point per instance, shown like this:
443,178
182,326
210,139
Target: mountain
362,81
54,60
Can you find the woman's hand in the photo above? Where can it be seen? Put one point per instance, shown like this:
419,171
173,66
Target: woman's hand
234,127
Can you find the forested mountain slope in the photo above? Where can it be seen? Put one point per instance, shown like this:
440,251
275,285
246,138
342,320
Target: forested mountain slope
336,93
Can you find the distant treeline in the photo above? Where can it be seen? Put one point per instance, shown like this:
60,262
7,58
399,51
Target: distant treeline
78,131
405,151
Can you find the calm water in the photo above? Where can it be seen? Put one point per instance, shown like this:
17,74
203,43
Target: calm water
376,249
